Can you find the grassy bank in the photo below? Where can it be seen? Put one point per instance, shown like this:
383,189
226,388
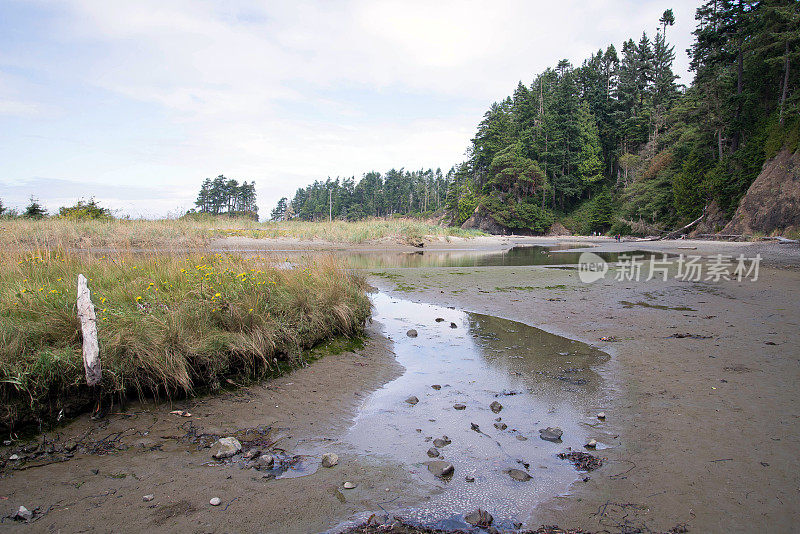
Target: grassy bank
195,233
167,325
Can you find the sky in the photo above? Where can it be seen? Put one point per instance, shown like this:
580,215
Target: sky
135,103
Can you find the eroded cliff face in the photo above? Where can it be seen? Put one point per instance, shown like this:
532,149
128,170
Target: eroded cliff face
772,204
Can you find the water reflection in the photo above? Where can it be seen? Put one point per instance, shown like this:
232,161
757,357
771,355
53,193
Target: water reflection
540,379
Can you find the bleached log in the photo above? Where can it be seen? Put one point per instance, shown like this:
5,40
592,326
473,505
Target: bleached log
91,348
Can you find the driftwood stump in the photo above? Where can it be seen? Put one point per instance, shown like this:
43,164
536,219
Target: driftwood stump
91,348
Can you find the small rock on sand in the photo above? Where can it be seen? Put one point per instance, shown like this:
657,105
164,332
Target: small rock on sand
329,459
469,478
349,485
412,400
500,426
453,325
23,514
496,407
215,501
441,442
266,460
459,406
411,333
440,319
519,475
592,444
520,437
14,457
601,415
148,498
479,518
551,434
440,468
225,448
475,427
437,387
433,452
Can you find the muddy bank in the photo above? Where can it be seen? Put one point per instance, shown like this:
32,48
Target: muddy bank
704,426
149,451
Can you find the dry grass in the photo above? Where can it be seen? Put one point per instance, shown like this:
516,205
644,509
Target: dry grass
167,325
198,232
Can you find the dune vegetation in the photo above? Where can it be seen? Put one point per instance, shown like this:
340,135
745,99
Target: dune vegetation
168,325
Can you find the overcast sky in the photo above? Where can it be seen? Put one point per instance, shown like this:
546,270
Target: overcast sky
135,102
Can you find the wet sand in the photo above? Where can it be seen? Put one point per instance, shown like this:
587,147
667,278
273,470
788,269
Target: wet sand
704,431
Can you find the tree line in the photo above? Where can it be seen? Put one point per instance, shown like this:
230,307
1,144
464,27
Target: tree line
226,196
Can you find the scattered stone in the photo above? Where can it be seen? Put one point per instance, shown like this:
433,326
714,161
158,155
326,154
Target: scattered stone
459,406
500,426
23,514
252,453
329,459
148,498
14,457
519,475
496,407
225,448
411,333
441,442
453,325
479,518
215,501
475,427
412,400
349,485
433,452
601,415
469,478
266,460
583,461
440,468
440,319
551,434
499,419
591,444
437,387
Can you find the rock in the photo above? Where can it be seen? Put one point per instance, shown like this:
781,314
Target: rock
498,419
479,518
519,475
148,498
500,426
252,453
215,501
475,427
433,452
440,319
14,457
411,333
496,407
441,442
412,400
225,448
469,478
437,387
440,468
601,415
266,460
521,437
453,325
70,446
349,485
592,444
459,406
329,459
23,514
551,434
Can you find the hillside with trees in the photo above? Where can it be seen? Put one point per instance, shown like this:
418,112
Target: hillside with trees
613,144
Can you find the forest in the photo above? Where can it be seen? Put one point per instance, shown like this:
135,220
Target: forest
614,144
225,196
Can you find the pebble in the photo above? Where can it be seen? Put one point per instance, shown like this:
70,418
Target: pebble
441,442
601,415
349,485
519,475
14,457
266,460
252,453
551,434
23,514
479,518
459,406
521,437
225,448
433,452
437,387
591,444
440,319
453,325
411,333
500,426
329,459
412,400
440,468
469,478
215,501
496,407
148,498
475,427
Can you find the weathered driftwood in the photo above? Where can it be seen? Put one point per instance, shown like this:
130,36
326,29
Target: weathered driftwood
679,231
91,348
